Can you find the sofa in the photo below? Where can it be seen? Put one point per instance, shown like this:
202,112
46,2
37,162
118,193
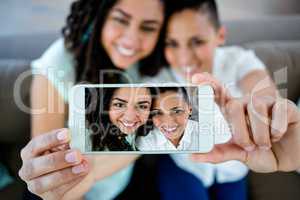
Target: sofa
275,40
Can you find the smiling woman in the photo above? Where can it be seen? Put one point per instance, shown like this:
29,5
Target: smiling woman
114,35
129,34
173,128
119,116
81,55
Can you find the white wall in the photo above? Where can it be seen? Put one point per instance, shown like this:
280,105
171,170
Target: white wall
35,16
240,9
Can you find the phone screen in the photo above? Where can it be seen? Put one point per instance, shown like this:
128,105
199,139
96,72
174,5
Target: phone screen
145,118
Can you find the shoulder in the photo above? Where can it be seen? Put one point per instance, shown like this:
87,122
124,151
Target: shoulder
192,123
192,127
56,56
147,142
236,62
58,66
234,54
233,51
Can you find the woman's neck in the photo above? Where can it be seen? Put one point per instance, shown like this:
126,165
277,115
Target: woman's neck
176,141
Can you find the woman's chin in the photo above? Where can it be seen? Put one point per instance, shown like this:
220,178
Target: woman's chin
123,63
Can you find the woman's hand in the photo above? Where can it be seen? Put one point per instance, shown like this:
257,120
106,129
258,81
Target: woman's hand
266,132
52,170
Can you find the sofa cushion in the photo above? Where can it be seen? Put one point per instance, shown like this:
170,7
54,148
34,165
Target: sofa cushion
27,47
14,92
241,31
282,58
275,186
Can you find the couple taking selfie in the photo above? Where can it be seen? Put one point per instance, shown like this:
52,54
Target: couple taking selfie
142,118
161,41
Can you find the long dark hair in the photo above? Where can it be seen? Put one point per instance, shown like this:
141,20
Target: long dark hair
104,134
81,36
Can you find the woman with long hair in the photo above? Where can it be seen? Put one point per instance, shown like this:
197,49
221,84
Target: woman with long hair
102,39
120,116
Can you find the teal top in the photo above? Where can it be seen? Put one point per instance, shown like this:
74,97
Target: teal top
5,178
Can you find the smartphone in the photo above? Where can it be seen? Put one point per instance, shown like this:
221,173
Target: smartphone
142,118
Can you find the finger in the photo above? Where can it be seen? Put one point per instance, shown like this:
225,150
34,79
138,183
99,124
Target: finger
62,147
284,112
221,94
36,167
235,115
259,123
45,142
222,153
56,179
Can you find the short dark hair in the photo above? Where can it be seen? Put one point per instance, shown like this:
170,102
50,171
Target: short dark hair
178,90
208,7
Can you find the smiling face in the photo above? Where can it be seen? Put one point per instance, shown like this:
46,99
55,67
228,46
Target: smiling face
191,42
130,108
170,115
131,30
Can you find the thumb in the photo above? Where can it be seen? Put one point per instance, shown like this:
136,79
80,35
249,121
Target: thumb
221,94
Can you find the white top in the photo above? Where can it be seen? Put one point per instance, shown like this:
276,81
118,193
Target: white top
231,64
156,141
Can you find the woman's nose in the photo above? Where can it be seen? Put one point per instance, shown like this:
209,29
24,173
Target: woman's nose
131,39
168,120
130,114
186,57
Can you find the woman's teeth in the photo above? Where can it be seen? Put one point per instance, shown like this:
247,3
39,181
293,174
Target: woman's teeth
128,125
169,130
125,51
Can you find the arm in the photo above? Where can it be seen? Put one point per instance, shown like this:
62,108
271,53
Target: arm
52,152
48,108
258,82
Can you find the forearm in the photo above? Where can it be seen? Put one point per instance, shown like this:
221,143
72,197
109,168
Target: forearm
48,110
258,83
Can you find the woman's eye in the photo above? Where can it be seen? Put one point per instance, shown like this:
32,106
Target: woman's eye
121,20
170,44
143,107
148,29
118,105
197,42
178,111
155,113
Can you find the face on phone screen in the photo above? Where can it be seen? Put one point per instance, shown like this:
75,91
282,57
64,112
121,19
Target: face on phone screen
152,119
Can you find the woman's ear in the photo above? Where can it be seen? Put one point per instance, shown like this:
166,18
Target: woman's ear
222,33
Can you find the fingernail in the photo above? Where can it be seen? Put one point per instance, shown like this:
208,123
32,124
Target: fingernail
62,135
79,169
265,148
250,148
71,157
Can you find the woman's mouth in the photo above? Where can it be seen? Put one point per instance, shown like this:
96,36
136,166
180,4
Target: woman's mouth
169,131
125,51
129,125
